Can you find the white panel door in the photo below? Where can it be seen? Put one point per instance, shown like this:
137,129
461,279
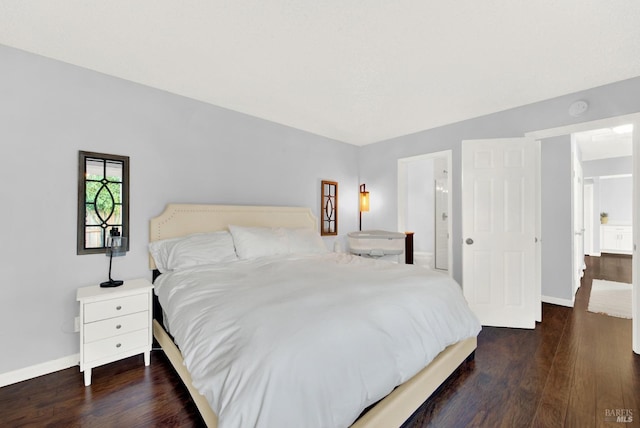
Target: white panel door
588,219
577,187
442,224
578,225
498,229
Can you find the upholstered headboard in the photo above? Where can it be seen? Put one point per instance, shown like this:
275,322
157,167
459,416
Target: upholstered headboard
184,219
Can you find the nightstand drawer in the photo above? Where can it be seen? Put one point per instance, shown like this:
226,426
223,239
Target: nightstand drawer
115,326
116,307
115,345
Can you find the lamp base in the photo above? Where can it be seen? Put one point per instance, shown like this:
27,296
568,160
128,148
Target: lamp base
111,283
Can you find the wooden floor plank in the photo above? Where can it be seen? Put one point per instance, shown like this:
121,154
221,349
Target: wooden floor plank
566,372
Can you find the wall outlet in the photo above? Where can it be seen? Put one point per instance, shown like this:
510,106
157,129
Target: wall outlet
76,324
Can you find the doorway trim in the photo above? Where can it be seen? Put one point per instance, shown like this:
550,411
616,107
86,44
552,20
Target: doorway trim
402,195
609,123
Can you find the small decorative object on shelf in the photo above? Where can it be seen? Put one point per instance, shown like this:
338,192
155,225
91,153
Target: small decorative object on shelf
115,323
604,218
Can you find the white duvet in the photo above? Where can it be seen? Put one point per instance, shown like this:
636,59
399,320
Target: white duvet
308,341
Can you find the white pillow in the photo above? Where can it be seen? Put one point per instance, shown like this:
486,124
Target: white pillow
254,242
193,250
305,241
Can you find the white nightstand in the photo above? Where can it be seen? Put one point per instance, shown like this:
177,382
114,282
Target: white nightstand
115,323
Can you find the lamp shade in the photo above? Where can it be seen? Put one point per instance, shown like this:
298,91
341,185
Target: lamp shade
364,201
364,198
116,246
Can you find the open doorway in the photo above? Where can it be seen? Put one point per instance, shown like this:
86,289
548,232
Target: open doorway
603,214
424,207
634,118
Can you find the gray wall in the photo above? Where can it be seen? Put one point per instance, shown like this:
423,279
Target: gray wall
181,151
421,204
611,166
378,162
616,194
556,221
184,151
619,207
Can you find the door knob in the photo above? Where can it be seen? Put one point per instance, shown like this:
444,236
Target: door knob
444,216
469,241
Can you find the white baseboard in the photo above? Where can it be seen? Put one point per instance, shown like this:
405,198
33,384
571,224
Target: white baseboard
30,372
557,301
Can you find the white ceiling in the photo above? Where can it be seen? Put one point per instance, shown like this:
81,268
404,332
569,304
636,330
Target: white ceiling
358,71
605,143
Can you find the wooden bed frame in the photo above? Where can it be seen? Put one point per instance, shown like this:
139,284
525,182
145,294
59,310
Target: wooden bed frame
184,219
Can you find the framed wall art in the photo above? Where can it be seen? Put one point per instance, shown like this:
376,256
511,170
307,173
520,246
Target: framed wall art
329,208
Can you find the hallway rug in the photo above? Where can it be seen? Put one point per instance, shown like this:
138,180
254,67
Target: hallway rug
610,298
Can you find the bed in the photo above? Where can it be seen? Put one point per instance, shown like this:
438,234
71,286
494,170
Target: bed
181,301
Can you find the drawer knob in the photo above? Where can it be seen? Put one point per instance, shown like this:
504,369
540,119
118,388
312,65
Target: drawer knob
118,345
118,307
118,327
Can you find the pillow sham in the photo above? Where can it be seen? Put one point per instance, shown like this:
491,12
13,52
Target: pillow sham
254,242
192,250
305,241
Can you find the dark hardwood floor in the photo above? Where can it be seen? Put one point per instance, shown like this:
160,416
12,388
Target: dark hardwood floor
570,371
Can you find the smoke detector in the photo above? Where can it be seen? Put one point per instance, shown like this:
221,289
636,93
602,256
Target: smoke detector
578,108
